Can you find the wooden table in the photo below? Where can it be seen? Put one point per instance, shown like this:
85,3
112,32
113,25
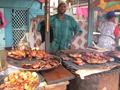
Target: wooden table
57,86
56,79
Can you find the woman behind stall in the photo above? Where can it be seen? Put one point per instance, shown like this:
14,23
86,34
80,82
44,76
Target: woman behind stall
109,32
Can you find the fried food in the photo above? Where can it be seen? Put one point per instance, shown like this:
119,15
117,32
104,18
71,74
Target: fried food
20,80
42,64
89,57
17,54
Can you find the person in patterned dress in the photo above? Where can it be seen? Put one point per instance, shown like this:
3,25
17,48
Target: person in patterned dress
109,32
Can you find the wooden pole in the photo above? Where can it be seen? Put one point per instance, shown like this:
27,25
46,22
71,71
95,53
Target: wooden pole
90,22
47,25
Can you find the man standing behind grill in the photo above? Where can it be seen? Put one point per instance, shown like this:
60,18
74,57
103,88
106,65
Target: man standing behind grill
64,28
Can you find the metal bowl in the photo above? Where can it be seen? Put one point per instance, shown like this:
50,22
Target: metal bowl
40,78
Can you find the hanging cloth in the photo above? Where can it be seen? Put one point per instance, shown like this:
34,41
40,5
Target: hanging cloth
82,11
85,11
34,37
42,1
3,21
78,11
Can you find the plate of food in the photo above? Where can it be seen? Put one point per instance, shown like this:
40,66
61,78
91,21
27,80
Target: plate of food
20,80
89,58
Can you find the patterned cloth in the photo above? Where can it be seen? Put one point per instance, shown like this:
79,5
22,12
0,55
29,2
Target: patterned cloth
32,38
63,32
107,38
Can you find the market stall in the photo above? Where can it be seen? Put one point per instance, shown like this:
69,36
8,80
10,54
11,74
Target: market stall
49,78
96,75
24,65
95,71
92,70
97,11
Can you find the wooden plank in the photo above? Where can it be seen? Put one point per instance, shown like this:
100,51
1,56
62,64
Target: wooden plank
57,75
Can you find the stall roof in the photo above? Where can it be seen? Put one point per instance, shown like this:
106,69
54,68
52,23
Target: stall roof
107,5
77,1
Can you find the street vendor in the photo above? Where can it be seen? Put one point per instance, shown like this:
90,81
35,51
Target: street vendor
109,32
63,27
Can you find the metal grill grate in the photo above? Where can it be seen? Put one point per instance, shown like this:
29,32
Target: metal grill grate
19,24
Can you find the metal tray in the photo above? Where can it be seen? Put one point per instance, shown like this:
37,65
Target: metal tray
66,55
68,61
19,63
80,51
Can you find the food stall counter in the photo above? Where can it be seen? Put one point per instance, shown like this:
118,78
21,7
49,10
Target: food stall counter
54,79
